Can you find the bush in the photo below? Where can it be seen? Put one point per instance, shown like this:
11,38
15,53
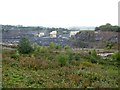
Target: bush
88,64
67,47
24,46
58,47
63,59
94,53
70,55
109,45
43,49
35,46
15,55
93,56
41,52
51,45
36,50
116,56
77,57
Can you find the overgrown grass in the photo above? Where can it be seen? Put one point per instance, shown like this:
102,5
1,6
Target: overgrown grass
47,68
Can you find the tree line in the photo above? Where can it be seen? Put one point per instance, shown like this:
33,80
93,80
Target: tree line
108,27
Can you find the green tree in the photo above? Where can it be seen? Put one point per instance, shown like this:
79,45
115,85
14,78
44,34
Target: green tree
97,28
108,27
24,46
116,28
62,59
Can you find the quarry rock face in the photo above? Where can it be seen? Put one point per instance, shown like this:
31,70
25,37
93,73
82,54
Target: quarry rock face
43,36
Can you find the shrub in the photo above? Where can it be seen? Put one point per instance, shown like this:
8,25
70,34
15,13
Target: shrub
88,64
24,46
63,59
94,53
75,63
51,45
58,47
70,55
67,47
77,57
15,55
35,46
109,45
43,49
116,56
93,56
93,59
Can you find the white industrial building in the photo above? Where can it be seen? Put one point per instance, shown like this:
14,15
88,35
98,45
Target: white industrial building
72,33
53,34
40,34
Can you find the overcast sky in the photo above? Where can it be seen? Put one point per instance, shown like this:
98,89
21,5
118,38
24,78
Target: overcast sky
59,13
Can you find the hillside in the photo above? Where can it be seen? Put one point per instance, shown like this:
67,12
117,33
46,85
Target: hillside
95,39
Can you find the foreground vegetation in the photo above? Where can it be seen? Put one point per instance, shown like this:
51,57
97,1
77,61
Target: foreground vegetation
59,67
